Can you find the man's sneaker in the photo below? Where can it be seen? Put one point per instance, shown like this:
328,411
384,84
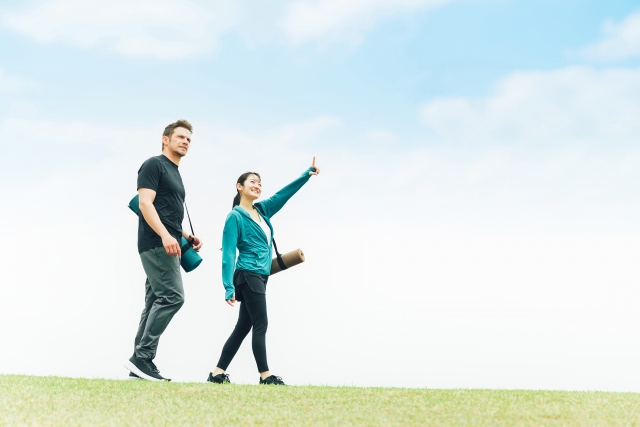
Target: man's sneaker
144,368
219,379
133,376
272,380
154,368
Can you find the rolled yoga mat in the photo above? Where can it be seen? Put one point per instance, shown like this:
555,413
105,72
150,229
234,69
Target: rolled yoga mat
289,260
190,259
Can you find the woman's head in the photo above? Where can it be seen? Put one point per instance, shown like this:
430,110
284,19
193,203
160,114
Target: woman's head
248,186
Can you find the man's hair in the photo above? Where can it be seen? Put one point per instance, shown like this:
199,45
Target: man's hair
168,131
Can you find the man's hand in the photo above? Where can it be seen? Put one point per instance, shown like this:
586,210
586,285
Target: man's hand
171,245
232,301
195,242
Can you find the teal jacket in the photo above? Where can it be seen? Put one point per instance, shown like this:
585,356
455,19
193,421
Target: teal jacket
243,233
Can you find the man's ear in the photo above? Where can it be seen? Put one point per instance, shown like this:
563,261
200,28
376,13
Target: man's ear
165,141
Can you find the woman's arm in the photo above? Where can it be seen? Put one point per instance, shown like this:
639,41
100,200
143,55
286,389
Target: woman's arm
229,245
273,204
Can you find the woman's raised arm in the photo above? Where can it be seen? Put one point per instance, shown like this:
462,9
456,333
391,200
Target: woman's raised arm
273,204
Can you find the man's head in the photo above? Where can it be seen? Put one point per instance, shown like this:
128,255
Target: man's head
176,138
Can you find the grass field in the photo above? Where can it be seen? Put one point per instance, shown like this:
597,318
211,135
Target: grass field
42,401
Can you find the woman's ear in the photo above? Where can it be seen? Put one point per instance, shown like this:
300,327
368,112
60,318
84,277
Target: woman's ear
239,187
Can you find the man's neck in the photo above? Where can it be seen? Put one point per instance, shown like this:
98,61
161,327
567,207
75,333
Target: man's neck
172,156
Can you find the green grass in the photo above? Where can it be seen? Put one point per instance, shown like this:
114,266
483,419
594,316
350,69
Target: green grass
42,401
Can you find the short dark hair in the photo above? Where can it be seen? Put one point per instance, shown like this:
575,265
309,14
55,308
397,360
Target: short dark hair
168,131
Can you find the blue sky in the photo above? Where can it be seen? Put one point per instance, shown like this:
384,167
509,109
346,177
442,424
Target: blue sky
480,184
405,59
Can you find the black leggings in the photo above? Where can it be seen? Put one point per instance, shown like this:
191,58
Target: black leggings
251,291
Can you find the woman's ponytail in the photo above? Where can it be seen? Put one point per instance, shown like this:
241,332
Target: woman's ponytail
241,181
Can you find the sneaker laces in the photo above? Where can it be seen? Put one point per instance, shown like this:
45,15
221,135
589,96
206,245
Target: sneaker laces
274,379
153,366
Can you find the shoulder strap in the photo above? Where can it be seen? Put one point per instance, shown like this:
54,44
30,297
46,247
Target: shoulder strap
190,225
189,244
278,256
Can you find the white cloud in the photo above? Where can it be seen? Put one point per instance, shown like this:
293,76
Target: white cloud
504,256
545,107
620,40
10,83
49,131
337,20
173,29
165,29
462,265
557,148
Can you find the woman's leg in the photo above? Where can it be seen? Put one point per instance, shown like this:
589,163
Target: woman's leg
235,339
257,311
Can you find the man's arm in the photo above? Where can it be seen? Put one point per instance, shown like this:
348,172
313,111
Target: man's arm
193,239
146,198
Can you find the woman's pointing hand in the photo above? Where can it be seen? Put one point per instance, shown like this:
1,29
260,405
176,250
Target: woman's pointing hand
313,165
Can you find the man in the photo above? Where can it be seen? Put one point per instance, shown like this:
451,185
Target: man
161,194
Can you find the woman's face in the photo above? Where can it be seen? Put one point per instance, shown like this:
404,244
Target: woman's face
251,189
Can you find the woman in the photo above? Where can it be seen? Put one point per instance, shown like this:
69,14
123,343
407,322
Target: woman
248,229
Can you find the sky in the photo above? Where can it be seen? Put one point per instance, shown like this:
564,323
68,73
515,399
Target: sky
474,224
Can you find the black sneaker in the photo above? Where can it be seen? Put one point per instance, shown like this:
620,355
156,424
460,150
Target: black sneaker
219,379
143,368
272,380
154,368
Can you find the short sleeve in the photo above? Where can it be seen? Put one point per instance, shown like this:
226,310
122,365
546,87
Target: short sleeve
149,174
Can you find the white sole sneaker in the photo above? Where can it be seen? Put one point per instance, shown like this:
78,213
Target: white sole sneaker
133,368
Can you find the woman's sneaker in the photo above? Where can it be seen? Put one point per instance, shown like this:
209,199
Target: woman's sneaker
218,379
272,380
144,368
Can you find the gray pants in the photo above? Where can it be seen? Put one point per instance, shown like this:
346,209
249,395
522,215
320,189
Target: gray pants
164,295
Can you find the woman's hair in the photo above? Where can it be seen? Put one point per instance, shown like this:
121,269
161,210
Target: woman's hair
241,180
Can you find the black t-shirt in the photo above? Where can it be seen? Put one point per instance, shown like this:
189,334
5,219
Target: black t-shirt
162,176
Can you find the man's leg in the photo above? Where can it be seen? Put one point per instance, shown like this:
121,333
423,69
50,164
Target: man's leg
149,298
163,273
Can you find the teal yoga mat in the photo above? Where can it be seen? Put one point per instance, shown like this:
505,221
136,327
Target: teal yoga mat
190,259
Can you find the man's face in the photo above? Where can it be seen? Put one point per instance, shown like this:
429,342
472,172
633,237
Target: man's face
179,142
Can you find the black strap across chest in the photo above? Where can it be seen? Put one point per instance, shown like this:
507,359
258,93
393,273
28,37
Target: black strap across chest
190,225
188,245
278,256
